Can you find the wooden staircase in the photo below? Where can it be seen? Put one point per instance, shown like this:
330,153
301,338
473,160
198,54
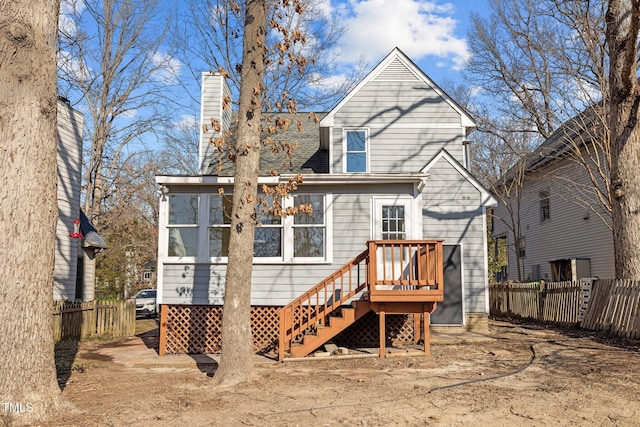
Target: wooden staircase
391,276
336,323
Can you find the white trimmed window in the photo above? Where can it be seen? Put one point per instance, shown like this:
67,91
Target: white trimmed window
219,225
199,228
356,150
267,241
309,230
183,225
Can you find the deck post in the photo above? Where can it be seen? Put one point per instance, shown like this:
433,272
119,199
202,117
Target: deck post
383,341
416,327
427,332
164,313
427,309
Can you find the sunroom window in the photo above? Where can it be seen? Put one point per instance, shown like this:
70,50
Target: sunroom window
219,225
309,229
267,240
199,227
183,225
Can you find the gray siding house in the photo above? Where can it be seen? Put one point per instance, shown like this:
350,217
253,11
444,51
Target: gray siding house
565,231
74,267
387,162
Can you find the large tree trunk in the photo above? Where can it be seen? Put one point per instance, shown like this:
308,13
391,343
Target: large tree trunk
28,209
623,20
236,361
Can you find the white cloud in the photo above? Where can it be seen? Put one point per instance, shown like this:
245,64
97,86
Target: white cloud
188,121
66,22
71,66
418,27
167,67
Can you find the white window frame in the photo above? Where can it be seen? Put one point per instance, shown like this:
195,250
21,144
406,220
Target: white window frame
290,226
367,146
287,227
165,241
412,224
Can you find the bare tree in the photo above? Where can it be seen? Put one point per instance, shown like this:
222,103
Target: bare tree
500,162
545,65
305,73
623,29
28,210
236,362
130,227
113,61
253,133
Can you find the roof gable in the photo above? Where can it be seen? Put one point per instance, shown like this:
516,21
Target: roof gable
487,197
397,66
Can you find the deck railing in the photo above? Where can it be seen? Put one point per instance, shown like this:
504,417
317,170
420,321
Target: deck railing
312,308
404,270
389,270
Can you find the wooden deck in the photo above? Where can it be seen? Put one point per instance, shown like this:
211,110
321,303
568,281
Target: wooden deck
389,277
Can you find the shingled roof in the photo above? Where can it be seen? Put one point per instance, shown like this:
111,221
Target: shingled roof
577,131
307,158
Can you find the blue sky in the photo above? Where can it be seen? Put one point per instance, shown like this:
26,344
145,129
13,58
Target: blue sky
431,32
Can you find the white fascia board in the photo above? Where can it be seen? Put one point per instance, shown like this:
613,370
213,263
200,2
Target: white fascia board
311,179
487,197
466,121
207,180
359,178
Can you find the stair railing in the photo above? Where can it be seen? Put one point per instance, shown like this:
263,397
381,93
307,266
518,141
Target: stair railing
312,308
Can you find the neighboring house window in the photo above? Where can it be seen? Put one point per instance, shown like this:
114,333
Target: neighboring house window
535,272
147,275
309,229
356,147
393,223
522,247
545,207
183,225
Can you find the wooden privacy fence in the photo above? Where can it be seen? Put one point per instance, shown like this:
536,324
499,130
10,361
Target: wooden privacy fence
559,302
93,318
614,307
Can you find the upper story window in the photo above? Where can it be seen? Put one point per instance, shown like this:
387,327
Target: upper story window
183,225
356,150
545,207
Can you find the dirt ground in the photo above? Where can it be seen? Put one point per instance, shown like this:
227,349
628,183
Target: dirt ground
525,375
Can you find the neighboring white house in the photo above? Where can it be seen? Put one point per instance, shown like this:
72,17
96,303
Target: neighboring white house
388,162
565,230
74,269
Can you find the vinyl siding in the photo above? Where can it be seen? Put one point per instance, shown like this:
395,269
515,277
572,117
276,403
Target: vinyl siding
452,211
278,284
566,234
214,87
408,122
69,163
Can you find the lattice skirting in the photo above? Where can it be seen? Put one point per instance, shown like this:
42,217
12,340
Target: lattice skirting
197,329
